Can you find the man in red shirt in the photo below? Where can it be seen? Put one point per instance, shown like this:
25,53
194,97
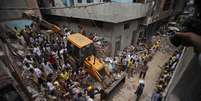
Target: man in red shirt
53,61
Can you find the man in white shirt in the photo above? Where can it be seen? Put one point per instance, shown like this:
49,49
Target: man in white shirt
61,53
38,74
37,51
47,68
51,88
66,66
89,99
178,56
114,63
32,41
128,56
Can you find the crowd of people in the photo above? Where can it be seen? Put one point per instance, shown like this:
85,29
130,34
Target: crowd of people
133,60
47,64
166,74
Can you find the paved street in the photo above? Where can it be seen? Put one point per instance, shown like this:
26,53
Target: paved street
126,93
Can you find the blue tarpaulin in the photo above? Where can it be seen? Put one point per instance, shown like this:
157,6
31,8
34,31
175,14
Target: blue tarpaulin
20,24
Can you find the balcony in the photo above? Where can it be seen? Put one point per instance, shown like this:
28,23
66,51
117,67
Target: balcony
155,18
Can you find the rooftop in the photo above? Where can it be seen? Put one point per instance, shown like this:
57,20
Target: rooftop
107,12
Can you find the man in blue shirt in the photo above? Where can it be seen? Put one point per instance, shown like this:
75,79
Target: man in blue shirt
156,96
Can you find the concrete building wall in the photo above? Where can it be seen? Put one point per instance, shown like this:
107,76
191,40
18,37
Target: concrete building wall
126,35
106,31
89,27
106,12
8,14
113,16
185,84
110,31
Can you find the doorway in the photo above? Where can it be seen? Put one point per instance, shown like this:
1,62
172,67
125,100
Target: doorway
118,44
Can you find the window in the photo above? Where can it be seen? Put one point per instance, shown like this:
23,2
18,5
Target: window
106,0
139,1
41,3
133,37
79,1
167,5
90,1
52,3
126,26
74,20
98,24
117,44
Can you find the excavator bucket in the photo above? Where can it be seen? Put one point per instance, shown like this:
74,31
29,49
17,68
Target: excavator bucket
114,86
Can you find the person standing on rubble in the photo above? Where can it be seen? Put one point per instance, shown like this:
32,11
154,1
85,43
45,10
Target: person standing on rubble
130,64
37,52
53,61
37,74
143,70
28,60
47,68
124,63
51,87
114,64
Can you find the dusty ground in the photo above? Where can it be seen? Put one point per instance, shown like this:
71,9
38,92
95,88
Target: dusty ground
126,93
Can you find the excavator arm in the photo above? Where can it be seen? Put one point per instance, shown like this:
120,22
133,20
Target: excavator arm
42,22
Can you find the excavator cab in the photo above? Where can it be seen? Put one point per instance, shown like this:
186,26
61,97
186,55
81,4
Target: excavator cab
79,46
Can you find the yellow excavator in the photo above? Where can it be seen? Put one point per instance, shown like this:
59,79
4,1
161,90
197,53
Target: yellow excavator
81,49
82,52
